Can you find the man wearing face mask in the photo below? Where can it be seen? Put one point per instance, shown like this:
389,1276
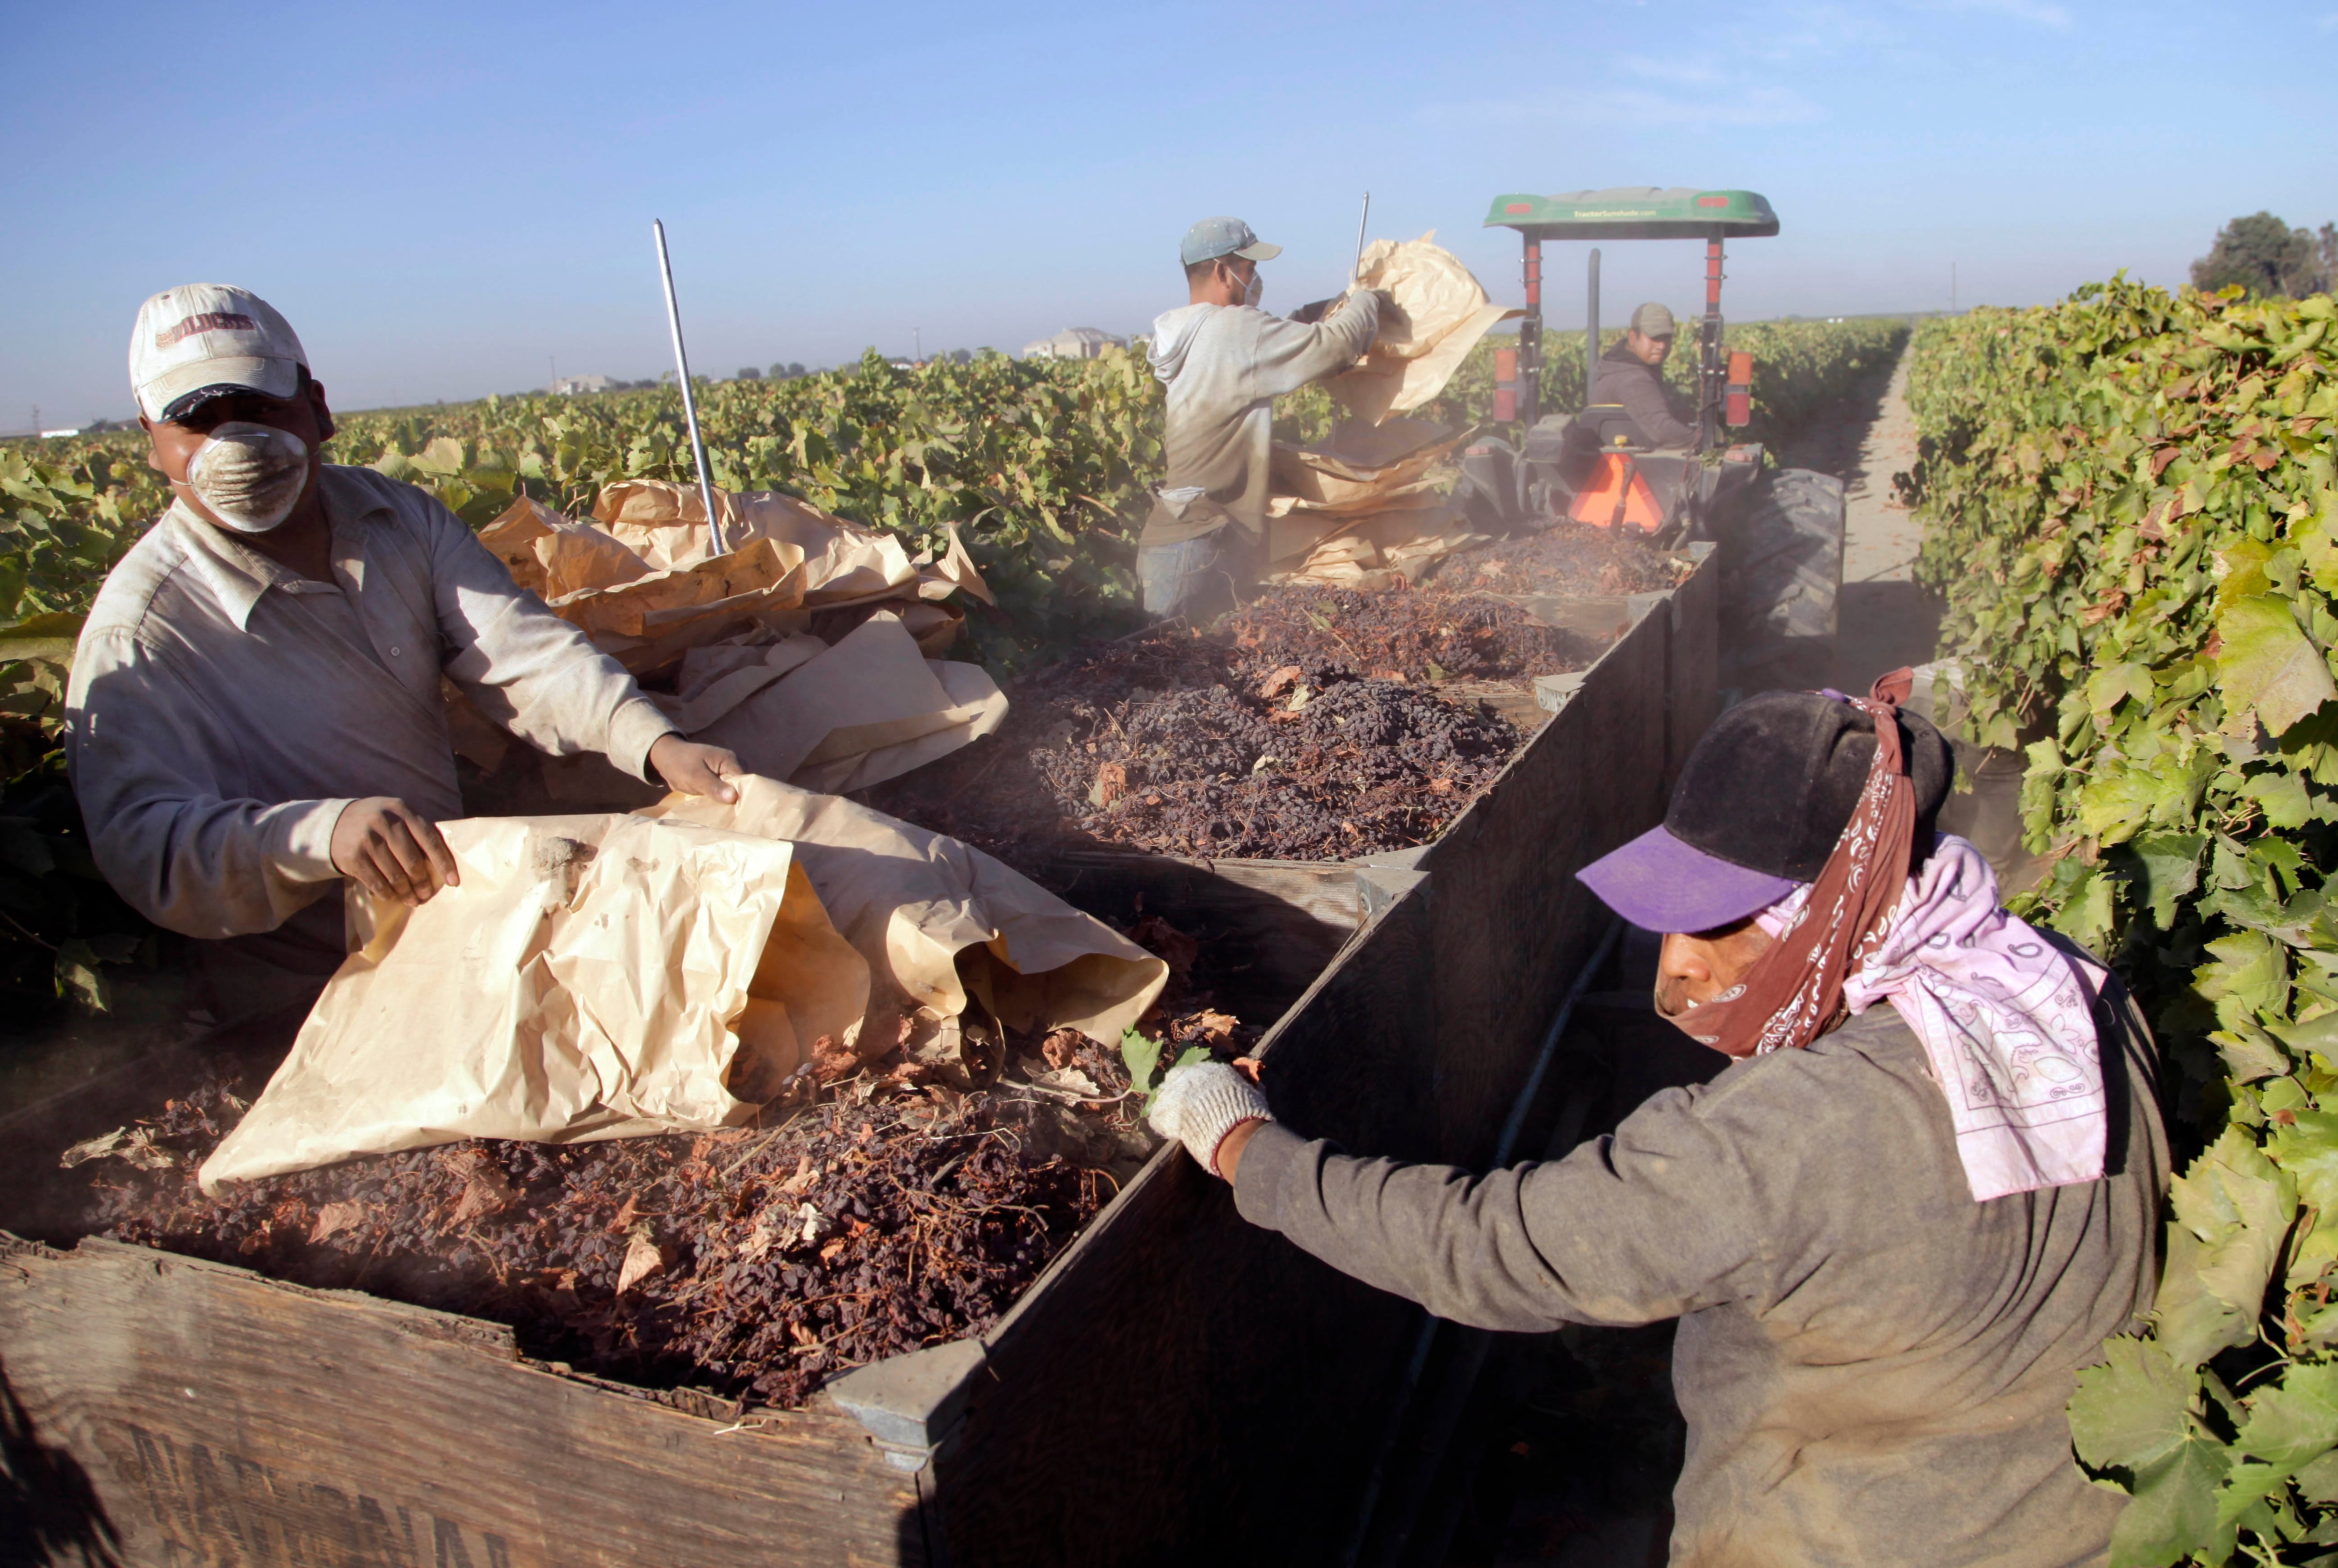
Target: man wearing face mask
1919,1189
255,710
1224,361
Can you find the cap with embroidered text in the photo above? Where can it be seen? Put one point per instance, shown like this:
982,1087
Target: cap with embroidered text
203,340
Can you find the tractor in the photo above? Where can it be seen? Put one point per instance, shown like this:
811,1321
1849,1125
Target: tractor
1778,532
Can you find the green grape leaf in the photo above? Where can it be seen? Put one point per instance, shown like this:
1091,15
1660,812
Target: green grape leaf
2130,1412
2174,1510
2266,665
2295,1421
1142,1053
2166,867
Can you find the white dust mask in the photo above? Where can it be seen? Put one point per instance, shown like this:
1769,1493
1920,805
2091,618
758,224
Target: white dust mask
1257,290
250,475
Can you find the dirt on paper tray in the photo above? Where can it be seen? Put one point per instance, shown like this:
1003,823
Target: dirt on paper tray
878,1210
1309,726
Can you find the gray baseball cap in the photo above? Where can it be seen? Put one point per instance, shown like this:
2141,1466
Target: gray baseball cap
1653,321
1215,237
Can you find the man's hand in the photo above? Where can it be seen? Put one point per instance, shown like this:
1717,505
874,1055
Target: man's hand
392,851
691,768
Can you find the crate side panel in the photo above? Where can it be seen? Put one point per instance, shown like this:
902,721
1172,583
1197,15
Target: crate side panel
1512,923
219,1418
1230,1385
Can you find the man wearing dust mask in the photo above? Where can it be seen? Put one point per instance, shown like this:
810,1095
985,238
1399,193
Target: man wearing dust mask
1224,361
255,709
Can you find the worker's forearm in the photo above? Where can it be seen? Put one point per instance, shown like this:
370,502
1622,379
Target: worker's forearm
1431,1233
534,673
1290,354
214,869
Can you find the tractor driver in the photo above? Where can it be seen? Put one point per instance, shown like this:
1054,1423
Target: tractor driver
254,713
1907,1210
1224,362
1631,374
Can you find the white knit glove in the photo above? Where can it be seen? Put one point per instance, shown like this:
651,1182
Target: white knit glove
1199,1103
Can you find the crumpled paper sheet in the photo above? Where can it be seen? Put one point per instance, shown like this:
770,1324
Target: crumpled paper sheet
1351,469
870,708
642,580
939,921
1358,473
590,977
665,525
1372,553
1441,312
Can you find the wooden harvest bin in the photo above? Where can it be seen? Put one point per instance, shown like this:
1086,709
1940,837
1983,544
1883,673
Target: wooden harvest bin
1176,1383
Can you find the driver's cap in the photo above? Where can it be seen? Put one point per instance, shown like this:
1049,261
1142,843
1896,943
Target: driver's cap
203,339
1653,321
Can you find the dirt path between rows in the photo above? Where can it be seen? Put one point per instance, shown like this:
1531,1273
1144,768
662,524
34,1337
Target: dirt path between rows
1886,620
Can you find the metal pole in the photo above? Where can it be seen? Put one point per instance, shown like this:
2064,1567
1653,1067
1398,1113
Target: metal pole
1713,376
689,404
1530,342
1358,275
1591,333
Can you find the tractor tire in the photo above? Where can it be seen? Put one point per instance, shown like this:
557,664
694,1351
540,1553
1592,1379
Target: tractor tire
1781,582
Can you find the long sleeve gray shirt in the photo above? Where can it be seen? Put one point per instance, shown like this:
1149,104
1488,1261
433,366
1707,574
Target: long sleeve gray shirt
1873,1366
223,710
1626,378
1225,365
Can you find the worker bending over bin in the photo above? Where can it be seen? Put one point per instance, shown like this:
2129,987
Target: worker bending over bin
1893,1235
1631,374
1224,361
255,710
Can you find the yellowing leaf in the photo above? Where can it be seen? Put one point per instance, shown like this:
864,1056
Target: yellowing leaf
643,1259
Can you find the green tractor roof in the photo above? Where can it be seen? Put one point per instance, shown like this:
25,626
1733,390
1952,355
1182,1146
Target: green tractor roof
1637,212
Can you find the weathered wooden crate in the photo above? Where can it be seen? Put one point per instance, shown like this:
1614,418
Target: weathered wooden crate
1178,1383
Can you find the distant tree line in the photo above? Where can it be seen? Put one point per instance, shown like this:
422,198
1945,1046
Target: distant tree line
2265,256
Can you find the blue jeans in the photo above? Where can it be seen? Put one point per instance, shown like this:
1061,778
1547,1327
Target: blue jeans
1196,578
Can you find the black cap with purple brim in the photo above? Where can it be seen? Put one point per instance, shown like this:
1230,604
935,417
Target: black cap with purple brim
1758,809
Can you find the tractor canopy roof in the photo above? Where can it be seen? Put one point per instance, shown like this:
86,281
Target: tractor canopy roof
1637,212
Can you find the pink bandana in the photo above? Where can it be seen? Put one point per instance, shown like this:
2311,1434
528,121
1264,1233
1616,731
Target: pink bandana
2006,1018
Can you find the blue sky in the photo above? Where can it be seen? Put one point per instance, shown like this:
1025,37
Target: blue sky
443,198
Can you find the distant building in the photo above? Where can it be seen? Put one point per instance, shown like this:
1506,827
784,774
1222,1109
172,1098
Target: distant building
53,435
568,385
1074,343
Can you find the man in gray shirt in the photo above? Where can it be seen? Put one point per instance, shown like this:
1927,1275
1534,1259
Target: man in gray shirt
255,709
1224,362
1631,374
1893,1235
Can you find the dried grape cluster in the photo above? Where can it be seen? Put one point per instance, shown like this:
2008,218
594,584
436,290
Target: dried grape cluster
1406,635
758,1262
1180,744
1566,558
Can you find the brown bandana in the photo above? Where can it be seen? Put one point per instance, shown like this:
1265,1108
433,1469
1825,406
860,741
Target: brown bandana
1793,992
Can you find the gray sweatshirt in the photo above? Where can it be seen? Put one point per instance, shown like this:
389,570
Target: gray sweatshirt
1873,1366
1225,365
